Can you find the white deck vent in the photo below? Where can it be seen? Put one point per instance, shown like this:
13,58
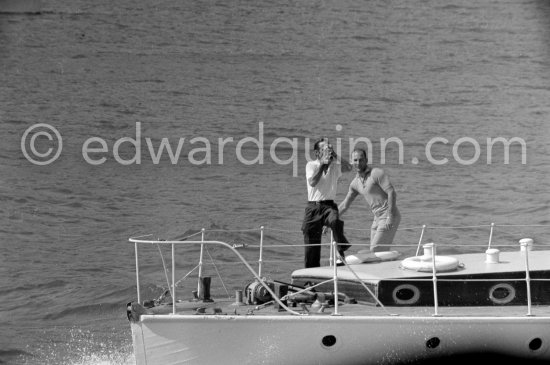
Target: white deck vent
526,244
428,249
492,256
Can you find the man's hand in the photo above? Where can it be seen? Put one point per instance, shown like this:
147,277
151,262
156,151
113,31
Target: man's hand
389,223
327,155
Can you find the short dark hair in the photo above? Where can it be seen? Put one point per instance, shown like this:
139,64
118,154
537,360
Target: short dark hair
318,142
362,150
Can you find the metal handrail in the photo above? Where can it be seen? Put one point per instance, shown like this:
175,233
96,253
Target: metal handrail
333,255
224,244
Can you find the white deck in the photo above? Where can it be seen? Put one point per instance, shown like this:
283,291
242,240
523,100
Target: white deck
473,264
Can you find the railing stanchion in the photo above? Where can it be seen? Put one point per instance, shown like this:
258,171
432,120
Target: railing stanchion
260,260
200,264
491,235
137,273
434,279
420,240
335,266
173,279
525,249
332,255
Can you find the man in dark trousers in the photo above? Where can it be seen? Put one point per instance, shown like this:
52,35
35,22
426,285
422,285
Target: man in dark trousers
322,180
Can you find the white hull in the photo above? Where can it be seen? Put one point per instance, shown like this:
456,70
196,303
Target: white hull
226,339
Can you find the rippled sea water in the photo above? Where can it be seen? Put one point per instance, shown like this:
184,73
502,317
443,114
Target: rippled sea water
266,77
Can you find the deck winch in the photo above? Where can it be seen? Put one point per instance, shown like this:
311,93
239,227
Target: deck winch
256,293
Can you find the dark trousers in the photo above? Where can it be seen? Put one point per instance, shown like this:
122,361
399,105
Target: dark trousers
317,215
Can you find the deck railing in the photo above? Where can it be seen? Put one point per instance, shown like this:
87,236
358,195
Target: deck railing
172,284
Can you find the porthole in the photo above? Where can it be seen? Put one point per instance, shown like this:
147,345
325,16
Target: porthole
433,342
535,344
502,293
405,294
328,341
